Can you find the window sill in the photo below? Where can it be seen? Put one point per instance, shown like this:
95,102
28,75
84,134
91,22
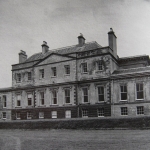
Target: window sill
84,116
53,76
18,118
41,78
66,74
29,106
85,103
67,104
100,116
139,99
123,100
96,71
42,106
18,107
84,73
100,102
41,117
124,115
54,105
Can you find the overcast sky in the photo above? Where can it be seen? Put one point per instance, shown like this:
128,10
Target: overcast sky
24,25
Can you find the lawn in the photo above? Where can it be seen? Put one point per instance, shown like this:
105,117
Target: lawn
74,139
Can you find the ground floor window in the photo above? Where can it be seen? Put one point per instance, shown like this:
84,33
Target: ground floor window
18,115
140,110
41,114
100,112
85,113
124,111
68,114
4,115
54,114
29,115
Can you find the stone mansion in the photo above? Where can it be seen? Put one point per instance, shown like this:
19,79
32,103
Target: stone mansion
79,81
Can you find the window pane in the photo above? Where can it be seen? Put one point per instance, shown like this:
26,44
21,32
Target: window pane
140,95
123,96
100,112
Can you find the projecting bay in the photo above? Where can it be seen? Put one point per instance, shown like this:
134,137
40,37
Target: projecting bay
74,139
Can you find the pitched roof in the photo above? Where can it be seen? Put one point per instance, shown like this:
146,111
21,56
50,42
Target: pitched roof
65,50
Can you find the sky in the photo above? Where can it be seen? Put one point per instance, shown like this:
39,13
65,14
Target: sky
24,25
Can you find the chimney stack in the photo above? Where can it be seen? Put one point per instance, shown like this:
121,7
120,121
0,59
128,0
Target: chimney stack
112,40
45,47
81,40
22,56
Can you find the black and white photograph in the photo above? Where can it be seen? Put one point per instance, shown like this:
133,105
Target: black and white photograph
75,74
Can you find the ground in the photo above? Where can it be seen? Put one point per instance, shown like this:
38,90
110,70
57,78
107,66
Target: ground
74,139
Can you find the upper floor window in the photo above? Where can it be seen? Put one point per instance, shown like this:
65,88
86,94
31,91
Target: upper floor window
4,101
29,99
101,94
67,95
67,69
54,72
85,94
41,73
139,91
84,67
29,76
42,98
123,92
99,65
18,100
18,77
54,97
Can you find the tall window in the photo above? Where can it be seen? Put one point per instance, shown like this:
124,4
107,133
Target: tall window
4,101
42,98
85,113
4,115
84,67
123,90
18,77
67,95
29,76
54,114
29,115
100,112
99,65
41,115
54,97
54,73
18,100
124,111
41,71
68,114
29,99
101,94
18,115
67,69
85,94
140,110
139,91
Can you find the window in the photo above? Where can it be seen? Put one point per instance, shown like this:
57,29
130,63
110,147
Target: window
99,65
29,99
68,114
18,77
139,91
41,73
54,114
29,115
4,101
18,115
42,98
101,94
123,92
18,100
4,115
29,76
67,70
85,95
140,110
85,113
41,114
54,97
84,67
67,95
124,111
54,73
100,112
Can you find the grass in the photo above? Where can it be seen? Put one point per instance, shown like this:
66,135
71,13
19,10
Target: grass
74,139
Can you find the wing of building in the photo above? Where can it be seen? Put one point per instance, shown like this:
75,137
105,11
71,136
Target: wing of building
83,80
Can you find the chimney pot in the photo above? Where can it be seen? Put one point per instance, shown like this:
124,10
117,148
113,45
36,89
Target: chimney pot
45,47
22,56
81,40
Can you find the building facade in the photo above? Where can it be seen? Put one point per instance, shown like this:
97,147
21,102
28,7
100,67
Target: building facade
83,80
